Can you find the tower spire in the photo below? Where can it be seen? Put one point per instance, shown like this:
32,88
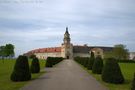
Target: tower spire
67,30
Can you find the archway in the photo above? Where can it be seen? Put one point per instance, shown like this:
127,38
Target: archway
67,57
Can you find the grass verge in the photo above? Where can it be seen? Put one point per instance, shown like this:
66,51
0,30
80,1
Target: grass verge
128,70
6,70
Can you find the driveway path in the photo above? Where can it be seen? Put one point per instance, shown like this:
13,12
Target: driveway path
67,75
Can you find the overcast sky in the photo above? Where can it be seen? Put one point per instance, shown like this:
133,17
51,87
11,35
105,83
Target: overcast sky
31,24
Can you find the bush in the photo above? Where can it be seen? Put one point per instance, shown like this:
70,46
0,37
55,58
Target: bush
52,61
111,72
32,56
91,61
97,66
133,83
78,59
48,62
84,61
21,70
35,66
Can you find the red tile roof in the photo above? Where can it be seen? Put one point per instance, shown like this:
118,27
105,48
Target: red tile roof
45,50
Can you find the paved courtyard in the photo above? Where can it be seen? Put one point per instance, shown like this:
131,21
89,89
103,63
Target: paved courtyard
67,75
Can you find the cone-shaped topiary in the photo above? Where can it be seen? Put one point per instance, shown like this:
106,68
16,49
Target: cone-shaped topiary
133,83
98,65
35,66
48,62
111,72
21,70
91,61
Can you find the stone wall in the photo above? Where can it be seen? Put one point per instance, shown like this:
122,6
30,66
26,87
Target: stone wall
98,52
45,55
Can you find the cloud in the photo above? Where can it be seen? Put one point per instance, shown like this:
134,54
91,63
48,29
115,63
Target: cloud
36,25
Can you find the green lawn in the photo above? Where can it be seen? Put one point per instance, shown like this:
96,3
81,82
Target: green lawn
128,70
5,71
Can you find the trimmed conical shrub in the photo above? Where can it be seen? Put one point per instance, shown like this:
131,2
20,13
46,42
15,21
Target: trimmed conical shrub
35,66
98,65
112,72
21,70
49,62
91,61
133,83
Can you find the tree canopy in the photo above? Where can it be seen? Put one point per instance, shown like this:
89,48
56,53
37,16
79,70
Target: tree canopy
119,52
2,51
7,51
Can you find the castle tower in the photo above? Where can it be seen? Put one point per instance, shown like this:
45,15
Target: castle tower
66,37
67,47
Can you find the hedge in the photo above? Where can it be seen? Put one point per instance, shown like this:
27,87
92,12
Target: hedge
97,66
52,61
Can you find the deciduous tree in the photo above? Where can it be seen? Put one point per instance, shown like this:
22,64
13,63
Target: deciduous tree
119,52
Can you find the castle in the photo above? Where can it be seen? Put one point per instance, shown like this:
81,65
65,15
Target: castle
68,50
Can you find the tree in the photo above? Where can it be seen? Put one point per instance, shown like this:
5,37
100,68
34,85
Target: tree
9,50
98,65
111,72
91,61
35,66
133,83
21,70
120,52
2,52
108,54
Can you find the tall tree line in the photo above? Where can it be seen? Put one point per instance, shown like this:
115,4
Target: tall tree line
7,51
